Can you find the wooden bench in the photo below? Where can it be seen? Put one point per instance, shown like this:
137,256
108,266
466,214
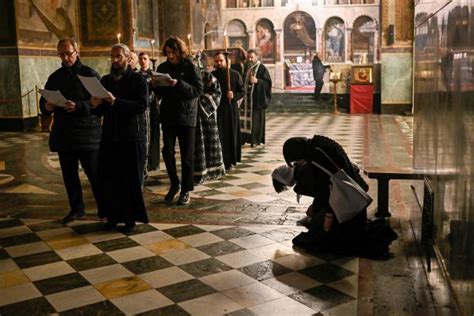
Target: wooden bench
383,175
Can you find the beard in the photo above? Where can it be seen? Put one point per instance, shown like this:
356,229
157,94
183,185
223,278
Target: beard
117,72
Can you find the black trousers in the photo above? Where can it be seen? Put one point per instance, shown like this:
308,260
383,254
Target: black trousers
318,88
69,161
186,136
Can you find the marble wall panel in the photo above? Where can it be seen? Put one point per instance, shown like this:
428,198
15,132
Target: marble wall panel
9,87
99,64
443,132
34,71
396,74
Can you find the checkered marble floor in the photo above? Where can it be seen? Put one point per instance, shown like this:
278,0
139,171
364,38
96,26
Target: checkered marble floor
167,269
251,180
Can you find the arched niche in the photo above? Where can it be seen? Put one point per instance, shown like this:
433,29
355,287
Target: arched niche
299,40
265,40
237,34
334,40
363,40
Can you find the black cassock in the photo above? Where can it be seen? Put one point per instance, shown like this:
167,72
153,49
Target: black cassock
228,117
257,99
123,149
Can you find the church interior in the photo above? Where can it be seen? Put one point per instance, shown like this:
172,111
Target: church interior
401,80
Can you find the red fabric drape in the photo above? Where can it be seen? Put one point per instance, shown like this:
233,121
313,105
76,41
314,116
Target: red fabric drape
362,98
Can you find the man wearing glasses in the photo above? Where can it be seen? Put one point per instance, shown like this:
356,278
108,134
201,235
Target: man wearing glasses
75,134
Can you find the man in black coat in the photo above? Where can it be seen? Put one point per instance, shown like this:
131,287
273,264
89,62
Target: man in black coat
178,115
228,111
318,74
122,148
258,95
75,134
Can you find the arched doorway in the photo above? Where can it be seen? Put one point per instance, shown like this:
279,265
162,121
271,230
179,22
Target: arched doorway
363,40
334,36
299,37
299,44
237,33
265,40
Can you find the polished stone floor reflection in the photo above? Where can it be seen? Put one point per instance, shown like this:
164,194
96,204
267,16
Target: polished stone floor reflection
228,252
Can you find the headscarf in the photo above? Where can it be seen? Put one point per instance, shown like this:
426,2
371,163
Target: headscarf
294,149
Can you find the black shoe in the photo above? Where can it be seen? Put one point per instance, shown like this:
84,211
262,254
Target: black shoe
184,198
110,225
174,189
71,217
128,229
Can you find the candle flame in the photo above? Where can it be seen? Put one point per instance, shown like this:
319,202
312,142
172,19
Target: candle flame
189,36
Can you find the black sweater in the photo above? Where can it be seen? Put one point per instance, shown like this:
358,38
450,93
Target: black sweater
78,130
179,103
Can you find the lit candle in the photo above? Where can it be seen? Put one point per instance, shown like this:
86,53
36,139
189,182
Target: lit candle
190,43
118,37
152,43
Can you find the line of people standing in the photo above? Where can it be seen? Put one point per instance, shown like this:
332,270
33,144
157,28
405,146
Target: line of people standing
199,109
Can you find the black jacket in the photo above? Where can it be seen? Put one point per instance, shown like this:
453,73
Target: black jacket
318,68
179,103
125,119
78,130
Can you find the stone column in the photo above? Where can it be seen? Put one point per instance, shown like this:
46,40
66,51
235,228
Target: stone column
251,38
349,45
319,42
279,46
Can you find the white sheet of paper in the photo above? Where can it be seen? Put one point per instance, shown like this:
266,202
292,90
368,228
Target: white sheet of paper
94,87
54,97
160,79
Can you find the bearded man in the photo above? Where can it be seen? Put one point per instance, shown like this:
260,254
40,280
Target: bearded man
122,149
258,94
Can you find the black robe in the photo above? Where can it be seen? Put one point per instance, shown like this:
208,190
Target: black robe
354,237
257,99
228,117
153,127
122,149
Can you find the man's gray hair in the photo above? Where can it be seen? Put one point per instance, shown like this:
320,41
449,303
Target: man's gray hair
68,40
126,50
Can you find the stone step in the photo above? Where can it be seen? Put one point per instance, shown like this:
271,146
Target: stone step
304,102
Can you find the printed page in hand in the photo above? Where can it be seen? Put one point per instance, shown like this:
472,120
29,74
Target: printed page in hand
160,79
54,97
94,87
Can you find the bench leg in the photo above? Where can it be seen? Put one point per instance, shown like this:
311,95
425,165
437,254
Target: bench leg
382,198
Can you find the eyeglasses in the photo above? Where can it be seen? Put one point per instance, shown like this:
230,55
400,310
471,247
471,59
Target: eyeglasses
117,57
66,54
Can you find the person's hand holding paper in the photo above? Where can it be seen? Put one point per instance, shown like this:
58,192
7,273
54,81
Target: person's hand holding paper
94,87
53,98
162,80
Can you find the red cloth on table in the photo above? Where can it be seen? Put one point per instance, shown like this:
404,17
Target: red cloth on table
362,98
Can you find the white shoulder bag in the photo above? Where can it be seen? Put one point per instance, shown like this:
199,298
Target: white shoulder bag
346,198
